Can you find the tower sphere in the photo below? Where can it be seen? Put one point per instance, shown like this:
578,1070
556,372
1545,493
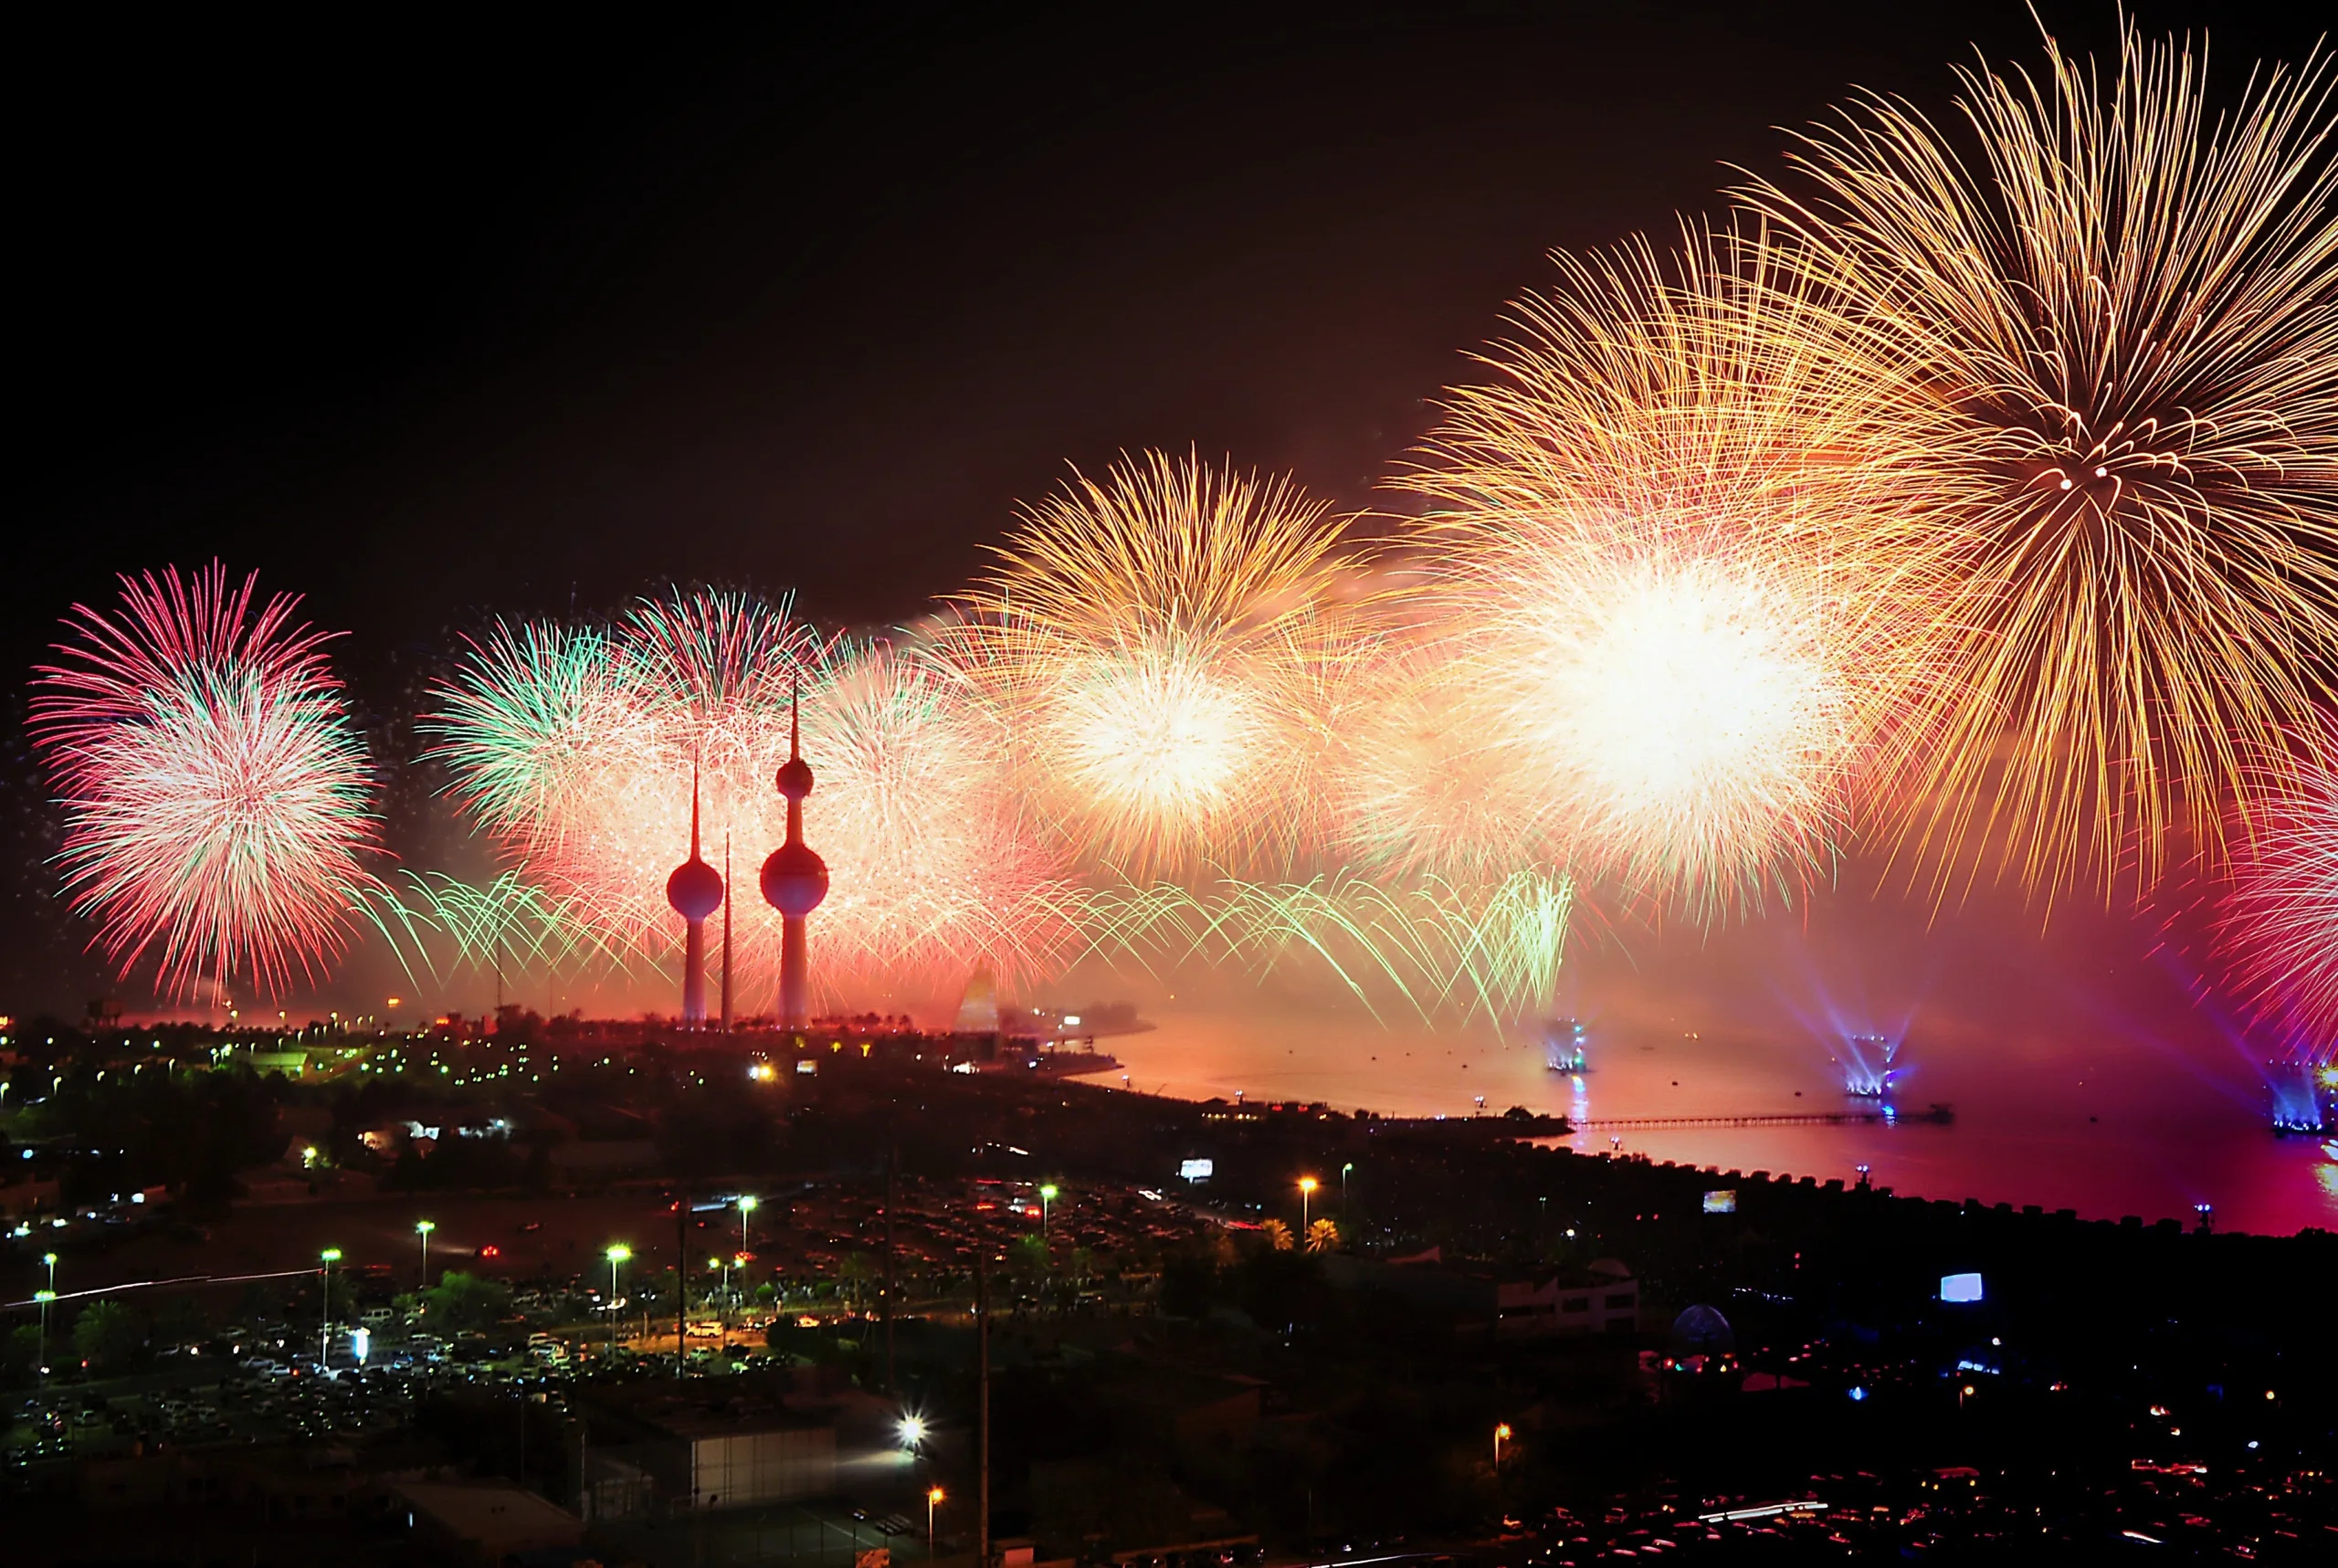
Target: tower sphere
695,889
794,779
795,879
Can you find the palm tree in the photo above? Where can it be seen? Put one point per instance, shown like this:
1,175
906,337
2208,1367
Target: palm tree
1322,1236
1277,1234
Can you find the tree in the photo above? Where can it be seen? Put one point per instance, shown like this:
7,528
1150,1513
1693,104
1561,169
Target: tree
1277,1234
461,1301
20,1352
1322,1236
107,1334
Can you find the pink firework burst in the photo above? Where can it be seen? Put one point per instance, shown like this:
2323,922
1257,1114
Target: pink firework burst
218,800
2280,923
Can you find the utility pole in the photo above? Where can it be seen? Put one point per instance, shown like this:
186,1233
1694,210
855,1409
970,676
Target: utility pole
893,1197
681,1277
982,1405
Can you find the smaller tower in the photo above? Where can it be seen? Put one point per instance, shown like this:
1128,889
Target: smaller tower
726,933
695,891
794,881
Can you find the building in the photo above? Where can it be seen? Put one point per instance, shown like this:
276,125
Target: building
1602,1299
488,1524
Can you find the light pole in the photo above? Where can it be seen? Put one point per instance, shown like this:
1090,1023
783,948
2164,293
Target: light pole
933,1501
617,1254
722,1313
50,1259
747,1205
1307,1185
1046,1204
423,1227
44,1298
1502,1431
1344,1190
329,1256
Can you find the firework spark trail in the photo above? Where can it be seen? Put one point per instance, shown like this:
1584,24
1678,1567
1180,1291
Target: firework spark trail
2102,332
218,799
503,924
1655,612
1160,648
1443,948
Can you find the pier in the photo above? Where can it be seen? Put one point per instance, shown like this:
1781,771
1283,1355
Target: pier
1937,1115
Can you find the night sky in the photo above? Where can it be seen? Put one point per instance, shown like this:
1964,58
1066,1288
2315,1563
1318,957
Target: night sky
434,320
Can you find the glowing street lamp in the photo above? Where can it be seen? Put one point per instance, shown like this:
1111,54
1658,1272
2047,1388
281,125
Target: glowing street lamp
933,1501
328,1258
1343,1188
423,1227
1502,1432
748,1203
1307,1185
616,1255
44,1298
1047,1202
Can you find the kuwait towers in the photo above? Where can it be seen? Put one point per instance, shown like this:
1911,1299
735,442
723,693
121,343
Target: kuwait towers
794,881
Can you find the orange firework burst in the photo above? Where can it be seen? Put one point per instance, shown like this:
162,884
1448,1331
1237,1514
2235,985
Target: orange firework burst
1159,644
2101,329
1662,624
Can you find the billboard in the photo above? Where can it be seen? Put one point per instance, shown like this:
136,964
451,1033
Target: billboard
1960,1287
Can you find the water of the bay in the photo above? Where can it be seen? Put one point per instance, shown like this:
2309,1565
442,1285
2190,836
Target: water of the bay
2083,1068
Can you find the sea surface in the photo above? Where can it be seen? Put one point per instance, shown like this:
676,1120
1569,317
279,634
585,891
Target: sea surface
2112,1123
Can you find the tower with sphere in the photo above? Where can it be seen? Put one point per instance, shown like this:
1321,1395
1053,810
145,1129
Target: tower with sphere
695,891
794,881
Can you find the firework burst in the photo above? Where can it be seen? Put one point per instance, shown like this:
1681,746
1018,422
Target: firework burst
1159,646
1655,614
217,796
2281,920
577,749
2101,329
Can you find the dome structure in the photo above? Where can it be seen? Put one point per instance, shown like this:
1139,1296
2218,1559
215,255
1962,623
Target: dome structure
794,778
1702,1330
795,879
695,889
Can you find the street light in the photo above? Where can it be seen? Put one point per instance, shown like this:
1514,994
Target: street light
329,1256
747,1205
423,1227
1343,1188
1502,1431
933,1501
616,1255
1307,1185
44,1298
1047,1202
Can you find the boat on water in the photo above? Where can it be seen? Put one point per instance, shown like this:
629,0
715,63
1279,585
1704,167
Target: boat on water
1563,1046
